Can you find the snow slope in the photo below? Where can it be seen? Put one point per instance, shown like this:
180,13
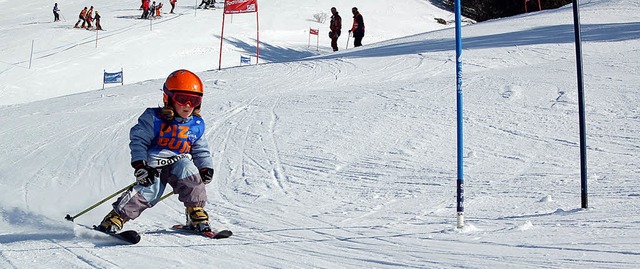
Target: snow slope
189,38
348,159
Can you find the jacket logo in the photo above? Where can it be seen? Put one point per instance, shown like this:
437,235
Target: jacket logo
174,137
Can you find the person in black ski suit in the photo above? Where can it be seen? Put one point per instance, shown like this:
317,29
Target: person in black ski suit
56,16
335,26
97,19
358,27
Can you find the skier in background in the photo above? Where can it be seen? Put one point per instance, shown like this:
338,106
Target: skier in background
145,9
81,17
97,19
336,27
89,18
87,14
56,16
207,4
357,28
168,145
152,10
173,5
158,9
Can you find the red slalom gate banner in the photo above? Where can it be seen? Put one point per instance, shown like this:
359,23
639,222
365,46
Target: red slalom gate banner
315,32
237,7
240,6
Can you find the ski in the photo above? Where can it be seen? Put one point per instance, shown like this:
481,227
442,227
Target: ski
213,235
129,236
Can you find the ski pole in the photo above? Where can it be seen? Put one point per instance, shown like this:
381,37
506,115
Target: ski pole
348,41
70,218
164,162
165,196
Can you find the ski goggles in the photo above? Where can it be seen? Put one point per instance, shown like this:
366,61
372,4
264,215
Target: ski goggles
183,98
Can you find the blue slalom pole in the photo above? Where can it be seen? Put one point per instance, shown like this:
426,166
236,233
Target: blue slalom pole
583,135
460,183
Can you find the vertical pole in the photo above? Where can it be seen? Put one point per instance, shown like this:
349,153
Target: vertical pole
583,136
122,74
348,36
31,55
318,41
460,182
104,72
525,6
309,40
96,38
221,38
257,35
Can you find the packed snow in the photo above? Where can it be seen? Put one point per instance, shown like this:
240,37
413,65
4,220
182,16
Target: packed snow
328,159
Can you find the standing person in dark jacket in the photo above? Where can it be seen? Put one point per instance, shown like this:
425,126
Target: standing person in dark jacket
56,16
335,26
97,19
152,10
357,28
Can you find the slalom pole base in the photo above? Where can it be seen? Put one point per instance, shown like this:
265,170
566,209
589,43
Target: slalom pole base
460,222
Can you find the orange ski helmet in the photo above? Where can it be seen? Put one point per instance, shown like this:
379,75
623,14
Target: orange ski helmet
182,80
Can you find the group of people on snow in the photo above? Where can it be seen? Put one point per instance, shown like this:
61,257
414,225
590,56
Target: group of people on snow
335,28
152,9
207,4
86,17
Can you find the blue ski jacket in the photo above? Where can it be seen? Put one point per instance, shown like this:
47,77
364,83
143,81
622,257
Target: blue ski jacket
154,139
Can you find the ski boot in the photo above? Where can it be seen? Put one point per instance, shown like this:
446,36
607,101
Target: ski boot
112,223
198,219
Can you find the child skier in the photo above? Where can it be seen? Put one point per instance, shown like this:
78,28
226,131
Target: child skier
97,19
158,9
168,145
